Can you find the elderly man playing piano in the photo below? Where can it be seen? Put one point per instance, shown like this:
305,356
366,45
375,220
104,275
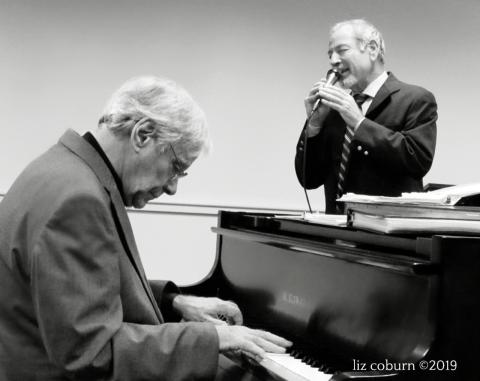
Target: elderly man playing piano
74,300
368,133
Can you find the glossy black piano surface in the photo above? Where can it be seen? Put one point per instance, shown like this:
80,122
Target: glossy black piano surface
342,295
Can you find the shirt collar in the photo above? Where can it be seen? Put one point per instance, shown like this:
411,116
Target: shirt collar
372,89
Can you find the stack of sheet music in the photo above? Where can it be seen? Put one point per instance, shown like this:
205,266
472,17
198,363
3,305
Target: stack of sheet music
453,209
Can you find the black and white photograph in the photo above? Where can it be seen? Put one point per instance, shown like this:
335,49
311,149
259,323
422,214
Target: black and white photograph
239,190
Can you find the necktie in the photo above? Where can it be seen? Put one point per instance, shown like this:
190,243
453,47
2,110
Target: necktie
347,140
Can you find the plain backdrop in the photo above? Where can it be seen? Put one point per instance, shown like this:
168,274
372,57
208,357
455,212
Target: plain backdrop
248,63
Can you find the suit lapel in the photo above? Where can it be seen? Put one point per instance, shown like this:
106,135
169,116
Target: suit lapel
132,250
390,86
86,152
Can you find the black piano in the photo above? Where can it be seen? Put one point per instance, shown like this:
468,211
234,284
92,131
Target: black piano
356,305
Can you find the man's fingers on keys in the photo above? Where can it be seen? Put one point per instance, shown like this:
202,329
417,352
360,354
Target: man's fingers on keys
268,346
233,313
252,350
278,340
215,321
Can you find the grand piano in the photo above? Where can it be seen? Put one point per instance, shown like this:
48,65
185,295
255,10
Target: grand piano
356,305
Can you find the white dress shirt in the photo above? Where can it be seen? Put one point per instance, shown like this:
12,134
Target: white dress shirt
371,90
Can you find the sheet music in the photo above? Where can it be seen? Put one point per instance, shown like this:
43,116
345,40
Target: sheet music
339,220
444,196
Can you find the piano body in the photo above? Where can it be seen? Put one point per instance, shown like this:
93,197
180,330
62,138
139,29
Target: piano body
349,299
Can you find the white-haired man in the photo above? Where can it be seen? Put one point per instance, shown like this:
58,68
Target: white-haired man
74,300
371,134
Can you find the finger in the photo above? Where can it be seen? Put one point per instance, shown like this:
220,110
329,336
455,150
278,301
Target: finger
252,358
336,90
332,91
268,346
233,313
314,91
213,320
252,350
278,340
329,96
332,105
312,99
318,84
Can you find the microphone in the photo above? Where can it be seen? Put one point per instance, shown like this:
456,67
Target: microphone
332,78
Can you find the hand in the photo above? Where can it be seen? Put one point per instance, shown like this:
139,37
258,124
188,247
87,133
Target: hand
251,342
313,96
317,118
214,310
341,101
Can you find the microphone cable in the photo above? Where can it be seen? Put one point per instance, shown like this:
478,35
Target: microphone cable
304,164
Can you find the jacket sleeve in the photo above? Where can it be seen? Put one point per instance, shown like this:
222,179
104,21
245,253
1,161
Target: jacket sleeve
164,293
75,285
410,149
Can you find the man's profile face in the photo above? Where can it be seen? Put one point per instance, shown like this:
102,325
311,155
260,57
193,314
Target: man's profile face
150,172
350,58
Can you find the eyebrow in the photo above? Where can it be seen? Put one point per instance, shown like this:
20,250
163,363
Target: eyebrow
339,46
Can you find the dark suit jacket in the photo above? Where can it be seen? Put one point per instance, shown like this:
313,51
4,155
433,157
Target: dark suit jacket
74,300
391,150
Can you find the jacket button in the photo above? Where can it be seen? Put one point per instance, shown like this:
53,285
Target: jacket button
359,148
365,153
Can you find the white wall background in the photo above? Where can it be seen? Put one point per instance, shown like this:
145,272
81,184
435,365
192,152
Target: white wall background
248,63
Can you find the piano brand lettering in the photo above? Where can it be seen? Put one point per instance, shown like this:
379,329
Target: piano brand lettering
293,299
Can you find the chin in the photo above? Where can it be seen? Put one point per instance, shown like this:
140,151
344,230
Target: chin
349,82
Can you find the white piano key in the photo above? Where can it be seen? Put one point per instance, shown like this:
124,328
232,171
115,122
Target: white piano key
291,365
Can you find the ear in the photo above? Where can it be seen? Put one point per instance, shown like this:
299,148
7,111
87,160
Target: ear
373,50
142,133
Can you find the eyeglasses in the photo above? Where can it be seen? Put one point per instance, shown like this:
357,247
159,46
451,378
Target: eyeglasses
177,167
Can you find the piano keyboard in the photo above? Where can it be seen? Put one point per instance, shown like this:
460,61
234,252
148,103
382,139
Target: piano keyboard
293,369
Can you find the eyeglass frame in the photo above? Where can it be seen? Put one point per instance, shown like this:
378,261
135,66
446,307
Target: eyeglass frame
177,174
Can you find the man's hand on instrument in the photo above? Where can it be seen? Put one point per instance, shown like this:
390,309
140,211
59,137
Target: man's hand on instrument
251,342
341,101
214,310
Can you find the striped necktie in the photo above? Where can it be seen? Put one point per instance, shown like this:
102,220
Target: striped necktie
347,140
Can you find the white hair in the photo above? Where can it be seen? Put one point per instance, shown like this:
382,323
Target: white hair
176,117
365,32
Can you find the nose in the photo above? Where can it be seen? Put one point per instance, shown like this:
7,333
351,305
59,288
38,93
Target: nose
334,59
170,187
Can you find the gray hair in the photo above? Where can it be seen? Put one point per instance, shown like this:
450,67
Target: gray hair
365,32
176,117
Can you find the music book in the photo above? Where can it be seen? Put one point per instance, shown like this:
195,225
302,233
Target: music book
460,202
409,225
465,194
447,212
